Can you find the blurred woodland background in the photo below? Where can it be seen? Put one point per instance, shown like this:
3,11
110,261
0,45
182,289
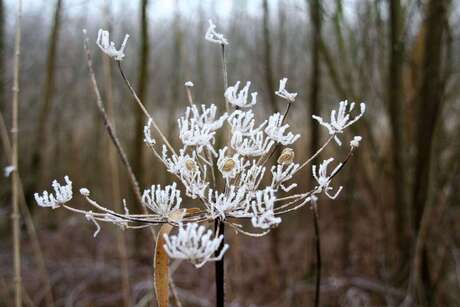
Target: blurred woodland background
395,225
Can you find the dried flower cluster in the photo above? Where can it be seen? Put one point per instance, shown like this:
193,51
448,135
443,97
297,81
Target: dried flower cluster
230,182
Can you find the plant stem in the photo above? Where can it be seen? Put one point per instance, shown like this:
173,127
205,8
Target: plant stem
220,290
14,160
318,254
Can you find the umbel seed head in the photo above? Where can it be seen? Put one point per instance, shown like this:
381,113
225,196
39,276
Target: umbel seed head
286,157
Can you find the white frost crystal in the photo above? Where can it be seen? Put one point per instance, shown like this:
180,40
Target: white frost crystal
214,37
162,201
108,47
62,194
240,99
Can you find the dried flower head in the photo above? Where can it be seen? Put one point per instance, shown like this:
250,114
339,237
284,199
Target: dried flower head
108,47
286,157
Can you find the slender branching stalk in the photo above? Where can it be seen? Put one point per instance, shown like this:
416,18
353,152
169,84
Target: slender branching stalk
14,160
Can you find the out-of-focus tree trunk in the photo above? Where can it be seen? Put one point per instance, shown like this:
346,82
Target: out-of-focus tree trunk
2,58
315,73
430,101
41,136
282,37
269,79
176,88
395,98
114,172
142,87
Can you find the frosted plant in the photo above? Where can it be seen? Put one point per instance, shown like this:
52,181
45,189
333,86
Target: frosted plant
221,164
324,180
195,244
262,207
162,201
341,119
8,170
108,47
240,99
148,139
355,142
62,194
214,37
283,93
276,130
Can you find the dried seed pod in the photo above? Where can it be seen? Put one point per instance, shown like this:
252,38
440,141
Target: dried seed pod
228,165
190,165
286,157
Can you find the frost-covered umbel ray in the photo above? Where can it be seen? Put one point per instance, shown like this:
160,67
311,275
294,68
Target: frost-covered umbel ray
229,182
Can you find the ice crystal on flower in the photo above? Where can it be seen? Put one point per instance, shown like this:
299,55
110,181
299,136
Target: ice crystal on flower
323,179
195,244
148,139
341,119
355,142
240,99
262,207
254,145
162,201
276,130
229,166
228,203
244,122
283,93
214,37
62,194
282,173
108,47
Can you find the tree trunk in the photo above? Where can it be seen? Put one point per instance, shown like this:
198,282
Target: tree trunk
270,81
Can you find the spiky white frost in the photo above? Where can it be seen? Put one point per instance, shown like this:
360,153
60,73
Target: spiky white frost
162,201
206,117
62,194
283,173
189,84
254,145
230,203
276,130
262,207
214,37
195,244
108,47
148,139
355,142
229,166
283,93
341,119
324,180
240,99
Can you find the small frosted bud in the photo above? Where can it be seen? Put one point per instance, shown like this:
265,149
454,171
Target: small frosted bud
286,157
84,192
355,142
189,84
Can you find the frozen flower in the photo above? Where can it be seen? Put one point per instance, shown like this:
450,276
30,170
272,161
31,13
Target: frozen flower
355,142
276,130
108,47
286,157
162,201
8,170
283,93
230,203
188,84
243,122
282,174
341,119
192,133
253,145
177,164
62,194
214,37
262,207
84,192
324,180
207,118
195,244
148,139
251,177
240,99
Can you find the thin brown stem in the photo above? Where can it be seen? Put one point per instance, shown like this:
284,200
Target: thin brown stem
318,254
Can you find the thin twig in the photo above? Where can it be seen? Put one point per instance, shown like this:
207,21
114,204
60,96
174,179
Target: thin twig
318,254
14,160
108,125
